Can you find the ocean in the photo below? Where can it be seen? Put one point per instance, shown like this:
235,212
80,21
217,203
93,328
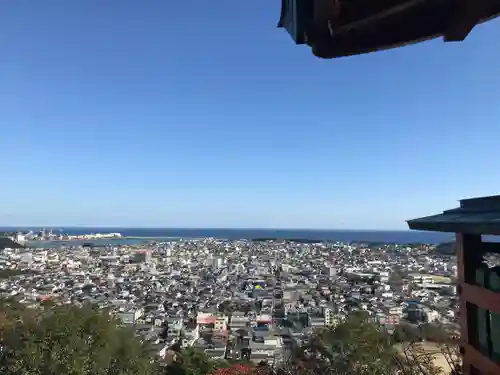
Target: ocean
346,236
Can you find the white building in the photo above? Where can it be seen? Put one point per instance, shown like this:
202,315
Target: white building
330,318
130,316
420,278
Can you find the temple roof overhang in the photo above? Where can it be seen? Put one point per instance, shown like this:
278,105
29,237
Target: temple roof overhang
336,28
474,216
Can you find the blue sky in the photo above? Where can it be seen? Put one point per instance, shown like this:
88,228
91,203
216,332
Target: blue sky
204,114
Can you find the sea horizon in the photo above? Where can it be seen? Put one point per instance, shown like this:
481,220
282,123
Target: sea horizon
340,235
31,227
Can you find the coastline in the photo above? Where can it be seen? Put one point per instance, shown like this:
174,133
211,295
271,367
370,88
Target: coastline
143,238
137,236
105,239
128,240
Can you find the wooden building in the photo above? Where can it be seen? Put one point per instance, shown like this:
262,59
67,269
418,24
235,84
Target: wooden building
478,282
336,28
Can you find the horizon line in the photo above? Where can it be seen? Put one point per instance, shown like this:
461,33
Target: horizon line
209,228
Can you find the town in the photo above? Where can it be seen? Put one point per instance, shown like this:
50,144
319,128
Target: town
238,299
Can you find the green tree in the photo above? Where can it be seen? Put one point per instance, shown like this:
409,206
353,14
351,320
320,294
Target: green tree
70,341
357,347
406,333
58,340
435,332
226,307
397,275
192,362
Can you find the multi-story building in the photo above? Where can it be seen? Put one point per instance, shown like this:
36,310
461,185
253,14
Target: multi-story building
221,323
330,318
478,284
393,320
130,316
205,320
175,326
239,321
396,310
419,278
142,256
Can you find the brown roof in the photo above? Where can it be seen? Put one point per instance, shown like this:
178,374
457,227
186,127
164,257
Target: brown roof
474,216
351,27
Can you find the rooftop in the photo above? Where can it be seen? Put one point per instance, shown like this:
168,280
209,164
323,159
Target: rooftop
474,216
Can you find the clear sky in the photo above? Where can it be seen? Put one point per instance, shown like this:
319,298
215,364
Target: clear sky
203,114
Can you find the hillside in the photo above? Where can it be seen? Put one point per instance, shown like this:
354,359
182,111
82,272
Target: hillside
445,248
6,243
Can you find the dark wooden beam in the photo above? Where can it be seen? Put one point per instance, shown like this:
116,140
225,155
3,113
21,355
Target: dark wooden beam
463,241
326,11
472,226
377,17
469,256
468,14
282,13
490,247
474,357
481,297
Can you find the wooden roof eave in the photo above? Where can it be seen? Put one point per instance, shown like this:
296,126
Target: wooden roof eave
283,13
331,43
453,222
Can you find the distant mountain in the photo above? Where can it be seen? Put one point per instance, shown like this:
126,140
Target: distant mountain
7,243
445,248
